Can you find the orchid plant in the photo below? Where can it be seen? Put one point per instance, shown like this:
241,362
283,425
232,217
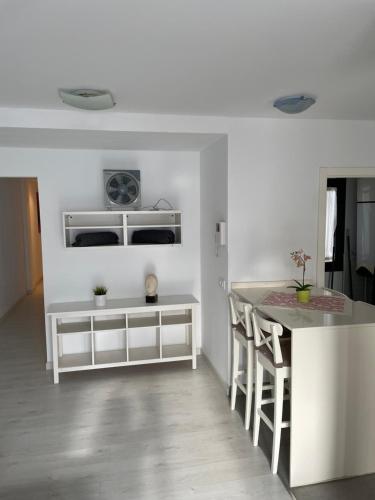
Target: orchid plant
300,258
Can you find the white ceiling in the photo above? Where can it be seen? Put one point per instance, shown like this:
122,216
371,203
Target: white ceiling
212,57
94,139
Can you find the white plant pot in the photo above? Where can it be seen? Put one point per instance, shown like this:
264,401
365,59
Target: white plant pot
100,300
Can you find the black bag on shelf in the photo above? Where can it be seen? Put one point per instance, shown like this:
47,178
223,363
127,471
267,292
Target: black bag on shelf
153,237
96,239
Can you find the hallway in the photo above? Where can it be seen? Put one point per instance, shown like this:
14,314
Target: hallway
138,433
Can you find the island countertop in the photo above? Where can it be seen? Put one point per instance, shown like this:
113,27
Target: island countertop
355,313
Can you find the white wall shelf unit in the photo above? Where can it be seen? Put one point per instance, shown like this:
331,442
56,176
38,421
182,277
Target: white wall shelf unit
123,223
123,319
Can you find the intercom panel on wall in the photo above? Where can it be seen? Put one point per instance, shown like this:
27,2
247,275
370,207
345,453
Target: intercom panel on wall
221,233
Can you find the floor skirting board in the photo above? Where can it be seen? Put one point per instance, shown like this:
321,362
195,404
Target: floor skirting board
38,283
224,385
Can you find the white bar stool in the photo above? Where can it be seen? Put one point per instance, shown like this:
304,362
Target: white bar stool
274,356
242,336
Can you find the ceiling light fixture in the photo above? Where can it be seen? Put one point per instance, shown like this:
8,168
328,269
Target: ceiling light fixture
294,104
90,99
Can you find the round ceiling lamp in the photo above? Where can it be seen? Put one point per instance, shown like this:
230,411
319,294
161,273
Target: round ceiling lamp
90,99
294,104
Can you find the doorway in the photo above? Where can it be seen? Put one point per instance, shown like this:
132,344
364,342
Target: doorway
21,267
346,233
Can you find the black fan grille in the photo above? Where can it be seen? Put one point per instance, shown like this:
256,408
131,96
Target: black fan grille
122,188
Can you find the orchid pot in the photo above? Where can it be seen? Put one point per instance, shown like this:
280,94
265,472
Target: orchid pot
303,296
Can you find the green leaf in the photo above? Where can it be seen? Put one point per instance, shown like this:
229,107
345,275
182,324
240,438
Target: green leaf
300,287
306,287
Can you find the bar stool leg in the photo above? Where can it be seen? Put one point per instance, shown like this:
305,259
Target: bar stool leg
249,385
277,420
258,400
235,363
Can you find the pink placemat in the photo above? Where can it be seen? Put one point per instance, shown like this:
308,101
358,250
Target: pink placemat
319,303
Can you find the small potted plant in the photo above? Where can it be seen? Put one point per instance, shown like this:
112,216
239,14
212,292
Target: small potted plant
303,290
100,295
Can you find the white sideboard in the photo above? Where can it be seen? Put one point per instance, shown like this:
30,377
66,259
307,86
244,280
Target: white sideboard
123,318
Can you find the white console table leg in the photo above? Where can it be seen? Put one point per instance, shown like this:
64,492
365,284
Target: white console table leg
187,335
60,345
55,352
193,337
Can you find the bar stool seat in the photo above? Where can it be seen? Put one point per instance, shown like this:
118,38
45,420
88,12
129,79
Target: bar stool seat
286,352
241,330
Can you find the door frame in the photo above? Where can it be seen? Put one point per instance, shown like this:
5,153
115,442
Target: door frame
324,174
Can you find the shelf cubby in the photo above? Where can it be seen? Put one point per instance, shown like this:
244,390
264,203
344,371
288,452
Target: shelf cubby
110,345
110,324
144,353
114,356
72,233
176,351
150,226
79,325
142,320
153,218
175,230
93,219
75,361
181,318
93,227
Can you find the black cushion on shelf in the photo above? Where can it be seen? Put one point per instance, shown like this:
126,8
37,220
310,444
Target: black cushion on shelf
153,237
96,239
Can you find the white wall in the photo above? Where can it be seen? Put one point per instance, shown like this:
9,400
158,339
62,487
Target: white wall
33,246
12,250
274,189
214,261
72,180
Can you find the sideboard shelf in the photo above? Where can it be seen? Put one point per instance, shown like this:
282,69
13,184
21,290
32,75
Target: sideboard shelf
181,319
122,318
74,328
109,325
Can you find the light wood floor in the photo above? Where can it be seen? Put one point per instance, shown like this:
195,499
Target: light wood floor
154,432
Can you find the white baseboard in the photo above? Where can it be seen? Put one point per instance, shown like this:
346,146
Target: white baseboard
223,384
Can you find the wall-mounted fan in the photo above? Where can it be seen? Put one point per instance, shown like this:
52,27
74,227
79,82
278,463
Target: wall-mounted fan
122,189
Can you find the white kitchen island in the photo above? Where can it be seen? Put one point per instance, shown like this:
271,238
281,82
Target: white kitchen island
332,432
